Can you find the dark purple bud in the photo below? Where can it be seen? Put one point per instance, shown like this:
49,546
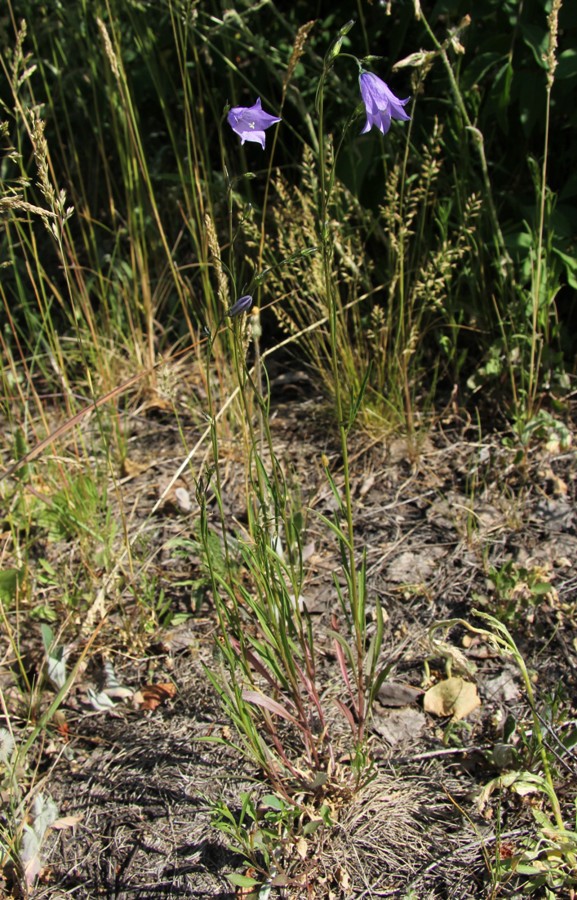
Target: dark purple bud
242,305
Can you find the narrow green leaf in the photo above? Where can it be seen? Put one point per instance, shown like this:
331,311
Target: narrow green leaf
359,399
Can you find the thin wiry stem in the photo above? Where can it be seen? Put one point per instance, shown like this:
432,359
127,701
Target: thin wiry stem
339,405
536,337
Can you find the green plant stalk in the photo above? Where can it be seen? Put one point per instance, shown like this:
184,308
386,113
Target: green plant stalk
537,729
215,454
135,165
358,614
402,329
276,765
242,377
285,640
46,716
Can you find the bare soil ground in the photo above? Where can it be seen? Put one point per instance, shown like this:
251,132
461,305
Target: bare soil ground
138,781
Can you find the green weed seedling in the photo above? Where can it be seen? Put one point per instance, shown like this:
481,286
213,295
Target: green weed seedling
24,821
154,605
519,590
543,860
270,834
27,815
548,857
544,429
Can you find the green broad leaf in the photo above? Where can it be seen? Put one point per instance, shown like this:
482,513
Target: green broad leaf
483,64
44,613
570,263
375,645
567,64
273,802
378,680
519,240
541,588
243,880
312,827
180,618
10,579
570,739
47,573
543,820
537,39
525,869
319,780
47,637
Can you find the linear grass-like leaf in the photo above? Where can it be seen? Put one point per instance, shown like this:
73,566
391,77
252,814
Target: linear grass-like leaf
342,649
271,705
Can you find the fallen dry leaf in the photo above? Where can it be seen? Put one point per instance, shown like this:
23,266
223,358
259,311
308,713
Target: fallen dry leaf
301,847
131,469
343,878
367,484
66,822
452,697
415,567
183,500
400,726
393,694
175,495
150,696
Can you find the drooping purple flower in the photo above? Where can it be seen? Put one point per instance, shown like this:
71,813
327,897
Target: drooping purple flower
251,122
242,305
380,103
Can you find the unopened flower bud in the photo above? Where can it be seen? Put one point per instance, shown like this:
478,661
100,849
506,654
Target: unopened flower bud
242,305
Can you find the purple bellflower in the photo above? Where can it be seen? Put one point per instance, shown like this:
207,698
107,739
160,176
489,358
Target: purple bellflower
242,305
380,103
250,122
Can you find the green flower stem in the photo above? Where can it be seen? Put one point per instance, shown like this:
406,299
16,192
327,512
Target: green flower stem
343,429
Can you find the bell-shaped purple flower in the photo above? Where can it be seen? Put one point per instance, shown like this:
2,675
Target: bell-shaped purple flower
380,103
251,122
